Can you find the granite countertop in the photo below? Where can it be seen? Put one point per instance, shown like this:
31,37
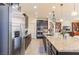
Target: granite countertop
64,45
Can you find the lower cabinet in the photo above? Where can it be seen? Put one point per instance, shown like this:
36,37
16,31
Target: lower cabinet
49,48
27,41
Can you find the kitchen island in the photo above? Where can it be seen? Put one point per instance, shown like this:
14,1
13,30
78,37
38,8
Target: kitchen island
60,46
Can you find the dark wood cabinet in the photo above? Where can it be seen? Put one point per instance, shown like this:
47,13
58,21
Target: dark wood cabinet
58,26
27,41
49,48
75,28
26,20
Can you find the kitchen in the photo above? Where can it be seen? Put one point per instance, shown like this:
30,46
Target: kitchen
41,29
57,25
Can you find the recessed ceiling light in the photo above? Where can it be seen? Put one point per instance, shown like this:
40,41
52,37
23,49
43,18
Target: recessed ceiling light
53,7
14,6
49,13
35,7
61,20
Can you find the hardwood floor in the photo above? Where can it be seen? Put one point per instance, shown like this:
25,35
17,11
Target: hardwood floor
36,47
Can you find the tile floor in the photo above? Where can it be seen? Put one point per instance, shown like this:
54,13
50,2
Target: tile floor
36,47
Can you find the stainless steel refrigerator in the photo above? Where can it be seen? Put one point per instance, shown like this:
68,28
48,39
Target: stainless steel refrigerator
4,30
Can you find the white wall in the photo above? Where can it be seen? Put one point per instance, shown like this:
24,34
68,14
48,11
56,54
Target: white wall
32,27
18,23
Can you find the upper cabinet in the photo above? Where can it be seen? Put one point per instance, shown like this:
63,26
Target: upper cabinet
26,20
75,26
58,26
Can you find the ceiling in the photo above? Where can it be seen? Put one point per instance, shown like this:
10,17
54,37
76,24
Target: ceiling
44,9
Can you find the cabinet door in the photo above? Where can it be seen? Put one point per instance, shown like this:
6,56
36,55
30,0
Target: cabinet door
75,26
58,26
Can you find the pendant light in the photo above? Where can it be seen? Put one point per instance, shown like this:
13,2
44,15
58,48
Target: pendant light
61,19
74,13
53,16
